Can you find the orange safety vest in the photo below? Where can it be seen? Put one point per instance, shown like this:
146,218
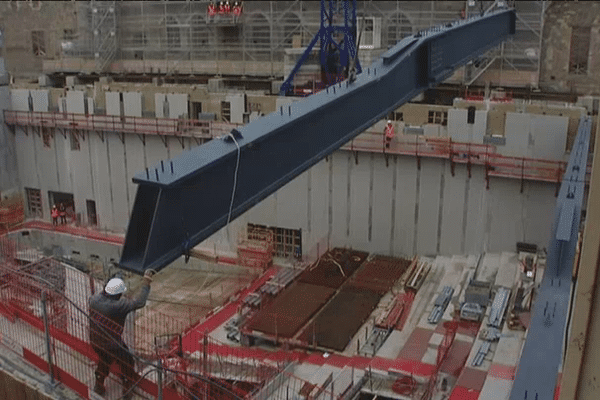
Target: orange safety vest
389,131
212,10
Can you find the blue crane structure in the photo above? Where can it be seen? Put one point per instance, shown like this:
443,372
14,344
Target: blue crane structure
181,202
336,54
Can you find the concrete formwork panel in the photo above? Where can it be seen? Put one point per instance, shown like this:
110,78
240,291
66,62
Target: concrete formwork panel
343,164
41,100
46,159
360,182
319,203
505,215
476,220
155,151
132,104
429,204
549,136
539,203
76,101
406,183
454,209
118,181
161,105
178,105
174,147
135,163
102,187
113,103
62,149
8,158
19,99
81,178
291,203
383,198
28,167
264,213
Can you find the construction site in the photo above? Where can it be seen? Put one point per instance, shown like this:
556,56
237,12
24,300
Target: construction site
350,200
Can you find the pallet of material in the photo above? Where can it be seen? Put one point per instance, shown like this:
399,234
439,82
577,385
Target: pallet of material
418,273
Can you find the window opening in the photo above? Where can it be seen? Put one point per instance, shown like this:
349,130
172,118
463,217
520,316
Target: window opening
287,243
580,50
38,43
91,212
438,117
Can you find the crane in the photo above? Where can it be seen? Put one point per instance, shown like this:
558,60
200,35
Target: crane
183,201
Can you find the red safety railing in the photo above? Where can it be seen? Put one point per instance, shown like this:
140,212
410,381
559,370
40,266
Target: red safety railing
462,153
45,319
109,123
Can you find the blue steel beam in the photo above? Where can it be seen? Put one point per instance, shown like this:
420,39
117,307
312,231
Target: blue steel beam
181,202
542,353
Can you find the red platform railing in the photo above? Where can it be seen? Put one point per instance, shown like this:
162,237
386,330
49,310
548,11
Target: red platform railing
495,164
111,123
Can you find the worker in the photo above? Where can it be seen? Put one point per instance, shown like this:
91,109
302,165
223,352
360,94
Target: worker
389,133
227,8
108,311
63,213
237,10
212,10
54,214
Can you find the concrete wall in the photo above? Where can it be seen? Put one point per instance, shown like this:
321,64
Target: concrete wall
9,174
395,209
401,210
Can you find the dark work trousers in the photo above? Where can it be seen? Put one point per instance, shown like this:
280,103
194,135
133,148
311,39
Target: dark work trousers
124,360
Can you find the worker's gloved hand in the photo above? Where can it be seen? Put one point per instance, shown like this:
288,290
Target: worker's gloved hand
148,276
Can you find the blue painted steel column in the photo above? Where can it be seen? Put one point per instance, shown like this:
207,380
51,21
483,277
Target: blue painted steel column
180,203
543,351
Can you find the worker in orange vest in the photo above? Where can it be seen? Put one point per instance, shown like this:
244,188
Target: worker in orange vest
237,10
389,134
54,215
211,10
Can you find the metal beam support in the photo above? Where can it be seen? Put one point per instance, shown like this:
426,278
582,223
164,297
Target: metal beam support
177,208
542,353
580,371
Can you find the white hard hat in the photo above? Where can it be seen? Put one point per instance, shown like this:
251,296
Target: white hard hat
115,286
389,121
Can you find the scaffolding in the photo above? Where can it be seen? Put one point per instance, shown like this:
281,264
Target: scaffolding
178,37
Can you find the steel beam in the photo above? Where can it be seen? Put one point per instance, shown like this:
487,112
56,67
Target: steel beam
180,203
542,353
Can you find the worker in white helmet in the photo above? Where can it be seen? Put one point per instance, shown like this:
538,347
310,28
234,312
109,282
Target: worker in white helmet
108,310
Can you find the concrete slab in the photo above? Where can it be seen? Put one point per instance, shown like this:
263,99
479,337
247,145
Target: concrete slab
496,389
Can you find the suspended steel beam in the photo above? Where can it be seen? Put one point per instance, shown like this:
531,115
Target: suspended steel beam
537,373
181,202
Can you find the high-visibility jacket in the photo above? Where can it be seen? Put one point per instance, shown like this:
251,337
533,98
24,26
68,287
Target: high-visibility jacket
212,10
55,213
389,131
237,10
